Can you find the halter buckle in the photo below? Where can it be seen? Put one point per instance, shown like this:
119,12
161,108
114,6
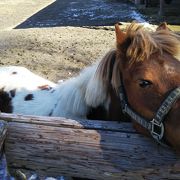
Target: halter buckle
157,129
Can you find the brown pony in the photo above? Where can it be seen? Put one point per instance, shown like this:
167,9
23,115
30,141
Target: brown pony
140,79
147,65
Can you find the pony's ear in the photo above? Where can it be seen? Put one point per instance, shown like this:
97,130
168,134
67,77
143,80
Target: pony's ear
162,26
120,36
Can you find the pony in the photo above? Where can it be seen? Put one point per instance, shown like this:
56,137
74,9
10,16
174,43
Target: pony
138,80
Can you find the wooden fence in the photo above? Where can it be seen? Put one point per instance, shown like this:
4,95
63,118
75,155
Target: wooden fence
83,148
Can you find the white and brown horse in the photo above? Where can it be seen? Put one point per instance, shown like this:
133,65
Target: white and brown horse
145,63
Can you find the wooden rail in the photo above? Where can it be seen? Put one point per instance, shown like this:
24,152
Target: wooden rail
3,134
84,148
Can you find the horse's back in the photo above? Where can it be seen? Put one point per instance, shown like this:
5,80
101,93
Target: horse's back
20,77
24,92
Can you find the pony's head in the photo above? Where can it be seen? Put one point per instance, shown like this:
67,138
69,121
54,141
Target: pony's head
147,65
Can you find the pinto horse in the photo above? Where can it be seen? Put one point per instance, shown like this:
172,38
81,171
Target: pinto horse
140,79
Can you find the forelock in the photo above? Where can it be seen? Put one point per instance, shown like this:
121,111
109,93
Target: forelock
143,43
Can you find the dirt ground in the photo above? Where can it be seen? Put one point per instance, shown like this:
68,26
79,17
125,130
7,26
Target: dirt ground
54,53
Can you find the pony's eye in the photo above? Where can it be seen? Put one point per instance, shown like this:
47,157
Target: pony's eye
144,83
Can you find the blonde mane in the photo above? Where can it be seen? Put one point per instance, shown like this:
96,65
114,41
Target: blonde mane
145,43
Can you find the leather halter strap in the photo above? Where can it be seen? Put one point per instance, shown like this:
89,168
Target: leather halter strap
155,126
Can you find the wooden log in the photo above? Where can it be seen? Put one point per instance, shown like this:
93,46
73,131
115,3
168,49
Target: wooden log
3,133
87,149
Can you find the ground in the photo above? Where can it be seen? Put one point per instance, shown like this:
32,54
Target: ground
54,53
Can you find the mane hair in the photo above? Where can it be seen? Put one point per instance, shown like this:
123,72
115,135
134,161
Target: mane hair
71,95
97,88
108,72
144,43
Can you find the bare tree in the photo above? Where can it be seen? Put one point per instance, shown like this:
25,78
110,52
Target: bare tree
161,7
137,1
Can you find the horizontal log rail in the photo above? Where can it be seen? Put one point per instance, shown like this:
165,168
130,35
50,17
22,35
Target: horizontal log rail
3,134
54,146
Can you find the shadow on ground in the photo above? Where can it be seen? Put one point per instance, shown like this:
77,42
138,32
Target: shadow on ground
83,13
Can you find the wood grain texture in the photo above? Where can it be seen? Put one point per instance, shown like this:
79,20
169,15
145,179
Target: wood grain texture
92,149
3,133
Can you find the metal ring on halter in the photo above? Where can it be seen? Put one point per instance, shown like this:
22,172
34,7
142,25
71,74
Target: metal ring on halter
156,126
157,129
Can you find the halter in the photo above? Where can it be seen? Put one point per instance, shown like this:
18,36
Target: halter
155,126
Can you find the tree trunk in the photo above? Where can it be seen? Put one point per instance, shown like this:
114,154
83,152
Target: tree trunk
137,2
161,7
